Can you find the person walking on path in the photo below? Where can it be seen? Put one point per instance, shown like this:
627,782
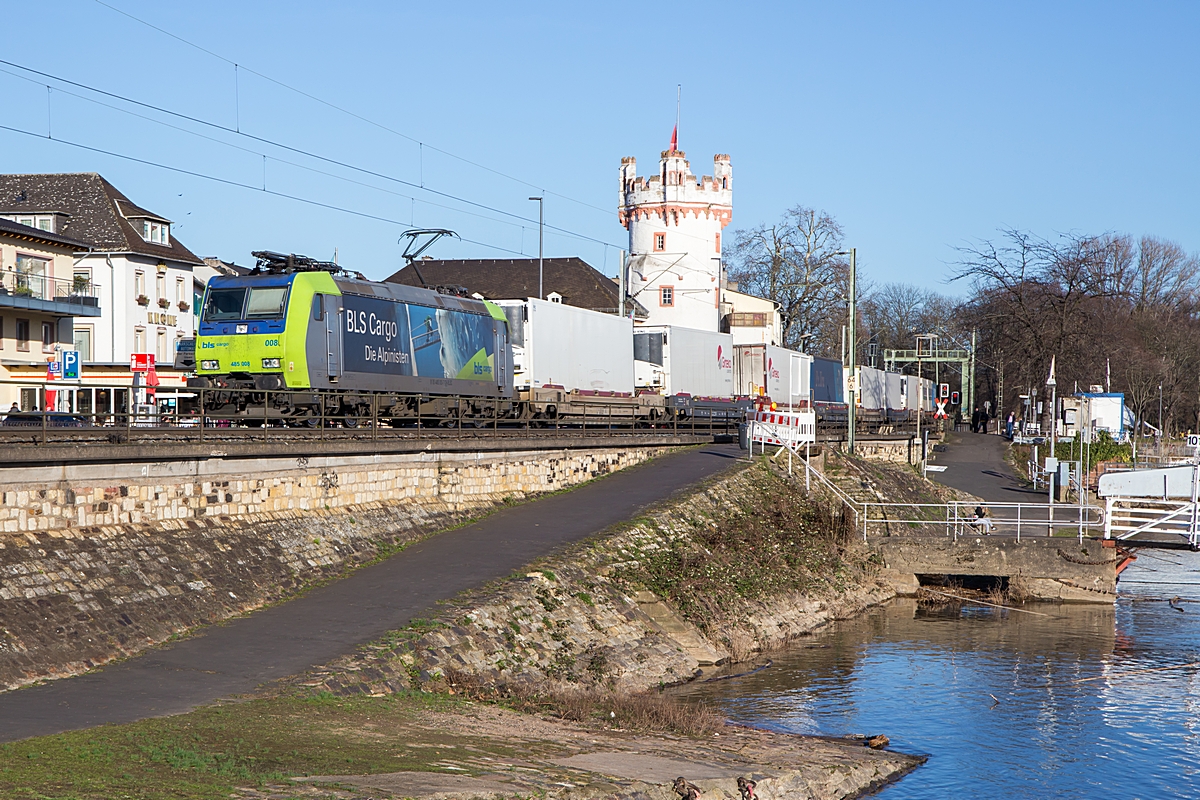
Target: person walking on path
1008,426
975,420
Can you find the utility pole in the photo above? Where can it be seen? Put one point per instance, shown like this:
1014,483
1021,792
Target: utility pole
853,382
971,382
541,201
621,286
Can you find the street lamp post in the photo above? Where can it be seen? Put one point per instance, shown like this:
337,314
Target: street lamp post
853,382
541,201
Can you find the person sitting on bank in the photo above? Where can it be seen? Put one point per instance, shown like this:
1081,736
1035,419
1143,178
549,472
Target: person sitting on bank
981,522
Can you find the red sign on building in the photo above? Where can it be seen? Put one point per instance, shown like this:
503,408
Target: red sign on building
141,362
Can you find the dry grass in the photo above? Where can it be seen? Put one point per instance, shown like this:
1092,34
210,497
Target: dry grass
642,711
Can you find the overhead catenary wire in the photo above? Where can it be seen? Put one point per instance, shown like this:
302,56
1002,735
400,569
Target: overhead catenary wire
239,184
238,66
259,153
299,151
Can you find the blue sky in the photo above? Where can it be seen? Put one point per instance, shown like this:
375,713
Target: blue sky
921,127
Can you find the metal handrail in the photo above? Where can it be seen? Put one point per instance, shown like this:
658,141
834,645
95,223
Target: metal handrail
45,287
1082,517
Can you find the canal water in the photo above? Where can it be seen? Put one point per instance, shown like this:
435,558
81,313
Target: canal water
1068,702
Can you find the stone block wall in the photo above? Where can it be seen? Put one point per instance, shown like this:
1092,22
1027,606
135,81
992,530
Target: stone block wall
54,499
101,563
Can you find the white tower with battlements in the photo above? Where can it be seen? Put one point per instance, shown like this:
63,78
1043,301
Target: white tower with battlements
674,224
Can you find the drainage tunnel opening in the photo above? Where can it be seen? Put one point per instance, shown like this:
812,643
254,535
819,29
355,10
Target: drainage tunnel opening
976,583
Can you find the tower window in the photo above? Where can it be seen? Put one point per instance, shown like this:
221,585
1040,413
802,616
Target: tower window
660,242
666,296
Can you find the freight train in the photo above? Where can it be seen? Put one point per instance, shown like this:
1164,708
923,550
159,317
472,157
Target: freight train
306,342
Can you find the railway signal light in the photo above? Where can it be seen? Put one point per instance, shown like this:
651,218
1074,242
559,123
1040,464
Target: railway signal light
954,398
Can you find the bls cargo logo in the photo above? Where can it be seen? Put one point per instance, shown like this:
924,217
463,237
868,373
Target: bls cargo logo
723,362
771,371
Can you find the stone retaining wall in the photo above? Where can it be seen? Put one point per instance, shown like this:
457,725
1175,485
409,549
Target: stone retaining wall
60,499
102,563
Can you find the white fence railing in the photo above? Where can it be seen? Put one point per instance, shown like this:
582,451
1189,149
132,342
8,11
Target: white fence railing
957,519
1126,517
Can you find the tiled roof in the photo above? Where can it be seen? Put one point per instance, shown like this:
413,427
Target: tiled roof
94,209
578,282
26,232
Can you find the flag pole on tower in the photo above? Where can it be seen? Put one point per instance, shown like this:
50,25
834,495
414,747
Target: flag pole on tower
675,133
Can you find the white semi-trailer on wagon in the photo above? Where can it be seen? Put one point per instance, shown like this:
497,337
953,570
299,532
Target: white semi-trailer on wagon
673,360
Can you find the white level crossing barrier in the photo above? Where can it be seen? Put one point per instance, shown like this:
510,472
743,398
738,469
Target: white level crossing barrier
788,429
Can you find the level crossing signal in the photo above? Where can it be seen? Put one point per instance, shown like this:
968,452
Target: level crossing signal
954,398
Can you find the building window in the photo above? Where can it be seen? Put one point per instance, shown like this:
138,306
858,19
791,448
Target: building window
83,342
81,281
160,286
139,340
156,232
179,296
160,348
31,276
660,242
666,296
718,242
47,337
139,283
23,335
41,222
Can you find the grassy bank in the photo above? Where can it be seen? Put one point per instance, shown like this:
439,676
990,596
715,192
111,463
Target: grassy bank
208,753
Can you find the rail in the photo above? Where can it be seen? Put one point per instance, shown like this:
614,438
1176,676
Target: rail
35,286
1127,517
958,518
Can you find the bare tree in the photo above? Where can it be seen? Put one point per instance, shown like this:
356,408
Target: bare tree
797,263
1089,301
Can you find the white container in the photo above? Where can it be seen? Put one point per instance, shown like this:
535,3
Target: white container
872,388
894,391
559,345
765,370
674,360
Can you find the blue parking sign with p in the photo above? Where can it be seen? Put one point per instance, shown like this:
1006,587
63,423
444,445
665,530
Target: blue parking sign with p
70,365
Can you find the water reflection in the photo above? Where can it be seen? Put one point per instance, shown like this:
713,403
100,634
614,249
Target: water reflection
1014,705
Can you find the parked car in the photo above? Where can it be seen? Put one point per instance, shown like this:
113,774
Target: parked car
54,419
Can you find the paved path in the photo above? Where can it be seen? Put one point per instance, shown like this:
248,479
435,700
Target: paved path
975,463
332,620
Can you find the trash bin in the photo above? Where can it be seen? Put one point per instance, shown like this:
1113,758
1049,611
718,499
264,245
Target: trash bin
744,435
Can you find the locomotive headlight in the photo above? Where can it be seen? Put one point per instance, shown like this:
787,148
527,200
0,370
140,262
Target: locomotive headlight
270,363
210,365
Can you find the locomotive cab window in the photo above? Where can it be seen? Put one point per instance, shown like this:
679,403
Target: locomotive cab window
266,302
224,305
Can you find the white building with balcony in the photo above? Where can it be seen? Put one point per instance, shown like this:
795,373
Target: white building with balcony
140,275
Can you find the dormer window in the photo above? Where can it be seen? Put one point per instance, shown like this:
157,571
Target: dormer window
554,297
156,232
43,222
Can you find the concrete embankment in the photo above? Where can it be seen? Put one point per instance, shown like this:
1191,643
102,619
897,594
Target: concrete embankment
742,565
102,561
